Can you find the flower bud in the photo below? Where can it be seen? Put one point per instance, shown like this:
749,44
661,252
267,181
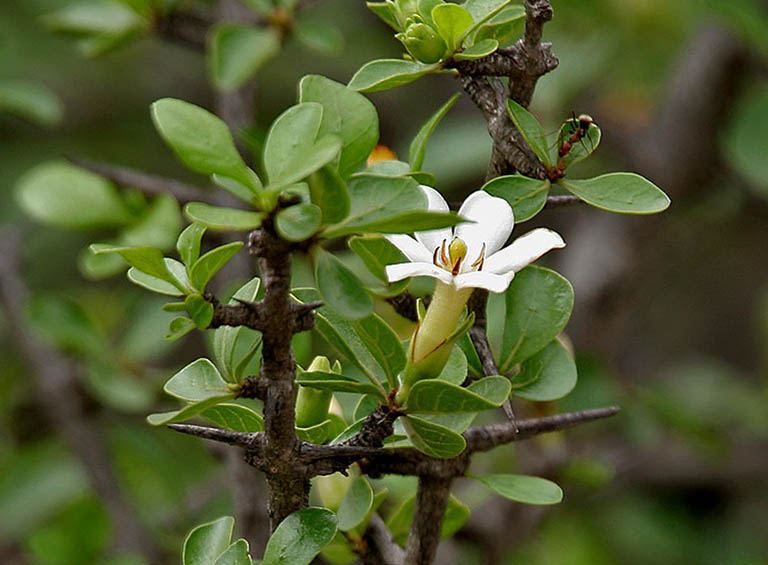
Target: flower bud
423,43
312,404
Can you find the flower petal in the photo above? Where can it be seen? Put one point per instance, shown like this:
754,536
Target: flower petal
523,251
432,239
493,219
402,271
411,248
482,279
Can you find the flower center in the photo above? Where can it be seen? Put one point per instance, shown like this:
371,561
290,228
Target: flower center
452,259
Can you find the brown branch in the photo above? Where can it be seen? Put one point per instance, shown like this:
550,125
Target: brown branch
59,393
147,183
255,315
564,200
184,28
380,548
431,502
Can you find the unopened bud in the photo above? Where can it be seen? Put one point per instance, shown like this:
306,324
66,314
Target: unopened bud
423,43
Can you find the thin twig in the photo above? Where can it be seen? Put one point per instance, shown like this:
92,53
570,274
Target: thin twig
380,549
564,200
431,502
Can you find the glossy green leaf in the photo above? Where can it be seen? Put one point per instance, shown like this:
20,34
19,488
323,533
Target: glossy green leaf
158,226
329,192
199,380
581,149
232,346
200,310
355,505
522,488
92,18
525,195
30,100
419,144
146,259
219,218
235,554
479,50
66,196
384,74
152,283
294,148
531,130
539,303
201,140
236,52
376,252
318,433
235,417
342,291
482,10
387,12
237,188
384,344
547,376
207,541
188,244
505,27
349,115
433,439
211,263
336,383
626,193
451,21
456,515
435,396
343,335
188,411
319,36
299,222
300,537
178,328
455,370
404,222
474,365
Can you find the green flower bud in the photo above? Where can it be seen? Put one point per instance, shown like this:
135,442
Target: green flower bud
312,404
423,43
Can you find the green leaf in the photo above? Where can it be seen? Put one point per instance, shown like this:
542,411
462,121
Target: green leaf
376,199
482,10
236,52
235,417
505,27
355,504
235,554
318,433
233,346
626,193
238,189
300,537
376,252
433,439
149,260
336,383
434,396
158,227
419,144
526,196
212,262
531,130
581,149
294,148
207,541
188,411
347,114
200,310
387,12
744,142
179,327
456,515
405,222
522,488
218,218
65,323
478,50
547,376
539,303
455,370
66,196
340,287
188,244
384,74
31,101
451,21
319,36
329,191
152,283
299,222
92,18
384,344
201,140
474,365
197,381
343,335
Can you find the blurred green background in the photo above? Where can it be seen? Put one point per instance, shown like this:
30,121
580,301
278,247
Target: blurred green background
671,317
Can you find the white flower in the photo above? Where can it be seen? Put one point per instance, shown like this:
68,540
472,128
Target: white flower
470,255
